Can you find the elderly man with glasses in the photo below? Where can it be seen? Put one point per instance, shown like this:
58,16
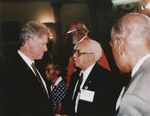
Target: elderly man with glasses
92,91
77,31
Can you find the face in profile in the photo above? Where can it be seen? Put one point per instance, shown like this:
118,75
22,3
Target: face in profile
75,38
51,72
120,57
82,56
116,55
73,34
38,46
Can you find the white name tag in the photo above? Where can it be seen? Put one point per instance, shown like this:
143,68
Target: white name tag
87,95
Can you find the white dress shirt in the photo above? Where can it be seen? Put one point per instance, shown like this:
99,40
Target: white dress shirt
29,62
85,76
56,83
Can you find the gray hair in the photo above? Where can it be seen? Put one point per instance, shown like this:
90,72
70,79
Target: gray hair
33,29
94,47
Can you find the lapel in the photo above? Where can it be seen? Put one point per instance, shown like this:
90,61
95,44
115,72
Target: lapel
73,81
91,78
29,76
144,66
23,64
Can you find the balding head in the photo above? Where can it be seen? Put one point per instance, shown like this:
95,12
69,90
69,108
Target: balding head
133,26
130,40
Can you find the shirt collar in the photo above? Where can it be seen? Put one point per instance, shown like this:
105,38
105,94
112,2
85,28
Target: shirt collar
87,71
25,58
58,81
138,64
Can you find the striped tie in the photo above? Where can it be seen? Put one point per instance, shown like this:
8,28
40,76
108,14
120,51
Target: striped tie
39,78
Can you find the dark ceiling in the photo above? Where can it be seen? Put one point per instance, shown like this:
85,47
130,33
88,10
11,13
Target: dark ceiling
94,3
55,1
44,0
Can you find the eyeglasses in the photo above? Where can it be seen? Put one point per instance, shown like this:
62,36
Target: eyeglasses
78,53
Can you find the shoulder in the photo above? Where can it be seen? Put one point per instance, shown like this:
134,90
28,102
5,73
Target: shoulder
140,85
102,72
133,105
62,85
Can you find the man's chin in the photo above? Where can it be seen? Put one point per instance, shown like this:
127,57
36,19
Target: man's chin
77,67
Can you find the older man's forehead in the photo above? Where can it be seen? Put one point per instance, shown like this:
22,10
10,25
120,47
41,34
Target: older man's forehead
83,48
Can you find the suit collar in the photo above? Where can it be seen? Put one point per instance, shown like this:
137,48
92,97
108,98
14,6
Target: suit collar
25,58
91,76
139,64
19,60
141,68
87,71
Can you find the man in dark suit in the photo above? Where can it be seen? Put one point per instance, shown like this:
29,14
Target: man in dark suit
77,31
23,90
97,94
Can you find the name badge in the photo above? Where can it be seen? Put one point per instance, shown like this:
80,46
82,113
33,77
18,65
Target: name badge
87,95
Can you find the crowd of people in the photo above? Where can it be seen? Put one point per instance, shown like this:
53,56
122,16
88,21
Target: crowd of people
90,88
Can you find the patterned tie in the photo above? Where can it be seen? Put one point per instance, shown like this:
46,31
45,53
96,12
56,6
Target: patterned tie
39,78
80,79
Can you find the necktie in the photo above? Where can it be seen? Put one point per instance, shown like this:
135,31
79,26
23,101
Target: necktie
39,78
78,87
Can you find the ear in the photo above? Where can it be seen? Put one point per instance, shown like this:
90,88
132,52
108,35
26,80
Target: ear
29,42
120,44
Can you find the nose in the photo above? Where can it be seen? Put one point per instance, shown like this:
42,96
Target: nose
74,55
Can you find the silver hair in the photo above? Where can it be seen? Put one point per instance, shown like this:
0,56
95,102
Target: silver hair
94,47
33,29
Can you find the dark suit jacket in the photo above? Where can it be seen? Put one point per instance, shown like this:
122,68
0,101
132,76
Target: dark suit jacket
101,81
21,94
